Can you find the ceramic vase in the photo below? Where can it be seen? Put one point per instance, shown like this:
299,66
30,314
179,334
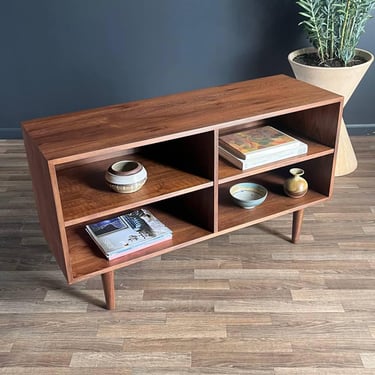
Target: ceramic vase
295,186
342,81
126,176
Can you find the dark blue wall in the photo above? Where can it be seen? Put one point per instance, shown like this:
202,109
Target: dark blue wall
65,55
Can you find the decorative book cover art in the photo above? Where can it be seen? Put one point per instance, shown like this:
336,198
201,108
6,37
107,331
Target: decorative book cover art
130,231
243,143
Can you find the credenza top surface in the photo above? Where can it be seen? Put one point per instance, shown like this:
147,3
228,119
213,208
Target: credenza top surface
74,135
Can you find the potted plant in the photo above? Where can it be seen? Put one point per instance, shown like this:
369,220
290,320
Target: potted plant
334,62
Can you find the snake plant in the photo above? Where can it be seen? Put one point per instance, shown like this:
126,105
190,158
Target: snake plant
334,27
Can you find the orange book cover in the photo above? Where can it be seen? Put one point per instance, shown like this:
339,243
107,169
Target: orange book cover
252,141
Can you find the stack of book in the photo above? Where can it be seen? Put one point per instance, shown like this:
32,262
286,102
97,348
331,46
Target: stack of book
258,146
128,233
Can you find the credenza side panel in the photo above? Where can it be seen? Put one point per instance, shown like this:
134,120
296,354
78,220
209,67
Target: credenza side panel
45,195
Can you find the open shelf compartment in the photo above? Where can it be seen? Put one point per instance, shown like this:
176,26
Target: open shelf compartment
87,260
189,216
85,196
229,172
277,203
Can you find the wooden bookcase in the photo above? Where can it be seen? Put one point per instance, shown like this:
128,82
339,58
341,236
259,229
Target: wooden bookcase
176,138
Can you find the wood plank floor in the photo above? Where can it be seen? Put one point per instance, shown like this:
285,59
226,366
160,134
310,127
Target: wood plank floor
245,303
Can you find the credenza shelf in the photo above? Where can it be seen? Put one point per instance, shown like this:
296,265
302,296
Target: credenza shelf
85,196
87,261
227,172
176,138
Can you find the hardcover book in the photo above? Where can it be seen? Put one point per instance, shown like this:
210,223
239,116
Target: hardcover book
128,233
262,159
263,141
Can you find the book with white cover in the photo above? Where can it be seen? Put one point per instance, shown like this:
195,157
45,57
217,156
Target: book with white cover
262,159
127,233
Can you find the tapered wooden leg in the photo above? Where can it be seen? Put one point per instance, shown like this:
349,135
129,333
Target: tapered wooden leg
108,280
297,225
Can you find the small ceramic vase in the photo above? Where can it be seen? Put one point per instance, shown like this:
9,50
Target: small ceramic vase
296,186
126,176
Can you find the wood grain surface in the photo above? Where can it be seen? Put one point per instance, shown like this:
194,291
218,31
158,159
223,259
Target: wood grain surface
243,303
59,138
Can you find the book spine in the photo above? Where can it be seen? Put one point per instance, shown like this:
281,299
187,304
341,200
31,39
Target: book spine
231,149
237,162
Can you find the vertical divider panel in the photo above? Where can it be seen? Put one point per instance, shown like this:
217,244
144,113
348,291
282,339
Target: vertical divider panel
216,181
196,154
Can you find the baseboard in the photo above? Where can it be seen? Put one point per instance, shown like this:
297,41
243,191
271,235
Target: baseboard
353,129
361,129
10,133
